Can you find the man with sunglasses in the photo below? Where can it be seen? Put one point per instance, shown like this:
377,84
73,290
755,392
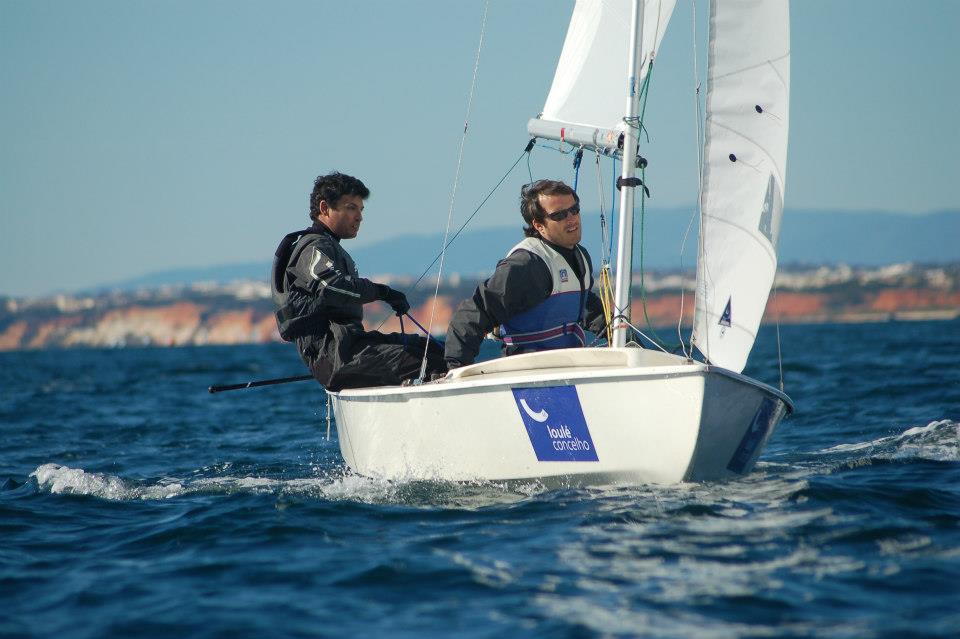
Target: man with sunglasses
541,294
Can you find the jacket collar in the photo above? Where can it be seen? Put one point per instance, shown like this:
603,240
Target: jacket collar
320,227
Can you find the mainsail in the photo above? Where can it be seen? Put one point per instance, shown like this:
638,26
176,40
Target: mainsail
748,98
585,103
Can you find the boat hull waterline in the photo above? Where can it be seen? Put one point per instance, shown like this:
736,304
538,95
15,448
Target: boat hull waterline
583,416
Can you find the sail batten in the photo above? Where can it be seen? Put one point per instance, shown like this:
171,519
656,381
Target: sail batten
745,150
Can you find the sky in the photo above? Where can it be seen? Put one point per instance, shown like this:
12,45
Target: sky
141,136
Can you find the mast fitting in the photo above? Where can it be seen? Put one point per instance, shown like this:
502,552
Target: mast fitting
632,182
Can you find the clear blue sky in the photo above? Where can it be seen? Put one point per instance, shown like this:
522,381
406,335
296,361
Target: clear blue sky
139,136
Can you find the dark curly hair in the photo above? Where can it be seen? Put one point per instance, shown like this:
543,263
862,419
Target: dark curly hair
332,187
530,207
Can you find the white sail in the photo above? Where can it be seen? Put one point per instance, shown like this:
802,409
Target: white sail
745,165
591,81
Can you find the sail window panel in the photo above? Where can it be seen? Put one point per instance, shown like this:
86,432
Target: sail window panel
772,212
736,194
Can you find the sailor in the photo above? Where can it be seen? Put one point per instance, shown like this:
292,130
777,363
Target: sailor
320,296
541,294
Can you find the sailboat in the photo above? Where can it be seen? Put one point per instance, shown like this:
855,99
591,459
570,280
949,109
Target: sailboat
621,413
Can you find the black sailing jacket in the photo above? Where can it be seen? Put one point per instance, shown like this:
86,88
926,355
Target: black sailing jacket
319,295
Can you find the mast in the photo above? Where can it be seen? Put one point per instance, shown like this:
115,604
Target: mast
624,270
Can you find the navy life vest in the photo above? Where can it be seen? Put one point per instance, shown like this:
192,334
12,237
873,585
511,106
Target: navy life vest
555,322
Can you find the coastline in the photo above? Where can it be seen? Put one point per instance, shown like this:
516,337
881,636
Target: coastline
198,320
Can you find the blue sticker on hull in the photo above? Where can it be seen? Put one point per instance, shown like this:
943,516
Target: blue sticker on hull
555,423
762,422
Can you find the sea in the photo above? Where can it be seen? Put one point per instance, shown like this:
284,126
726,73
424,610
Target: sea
133,503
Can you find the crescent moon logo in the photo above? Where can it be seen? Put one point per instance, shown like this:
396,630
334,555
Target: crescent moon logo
540,416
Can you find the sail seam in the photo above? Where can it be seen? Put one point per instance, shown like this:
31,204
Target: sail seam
769,61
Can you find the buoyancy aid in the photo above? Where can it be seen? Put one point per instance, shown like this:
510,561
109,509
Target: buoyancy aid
555,322
297,310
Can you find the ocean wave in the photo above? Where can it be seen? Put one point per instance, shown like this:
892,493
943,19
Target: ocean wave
340,485
937,441
63,480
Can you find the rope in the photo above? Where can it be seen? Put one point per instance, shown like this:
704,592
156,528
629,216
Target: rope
425,331
606,300
606,285
456,182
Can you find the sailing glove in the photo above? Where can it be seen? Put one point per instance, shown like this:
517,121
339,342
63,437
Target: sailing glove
598,325
397,300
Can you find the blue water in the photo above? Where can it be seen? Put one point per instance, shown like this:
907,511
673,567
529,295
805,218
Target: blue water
133,503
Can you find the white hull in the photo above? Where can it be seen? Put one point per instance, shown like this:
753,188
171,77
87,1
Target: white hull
592,416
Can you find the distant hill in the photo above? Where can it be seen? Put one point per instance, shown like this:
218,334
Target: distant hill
242,312
219,274
870,238
862,238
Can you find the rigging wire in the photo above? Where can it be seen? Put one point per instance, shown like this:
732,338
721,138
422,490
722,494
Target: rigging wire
456,182
622,318
776,314
472,215
660,342
655,342
644,94
468,220
604,247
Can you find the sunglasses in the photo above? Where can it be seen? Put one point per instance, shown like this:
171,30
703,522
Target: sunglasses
561,215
